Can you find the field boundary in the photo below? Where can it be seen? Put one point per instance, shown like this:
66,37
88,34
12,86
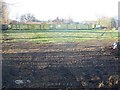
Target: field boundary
50,26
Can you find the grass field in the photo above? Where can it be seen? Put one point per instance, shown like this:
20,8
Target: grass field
57,36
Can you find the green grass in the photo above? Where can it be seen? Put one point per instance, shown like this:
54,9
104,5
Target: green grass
56,36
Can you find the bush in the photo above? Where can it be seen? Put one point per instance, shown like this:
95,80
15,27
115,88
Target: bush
4,27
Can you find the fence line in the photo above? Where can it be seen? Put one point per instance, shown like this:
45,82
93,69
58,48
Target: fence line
49,26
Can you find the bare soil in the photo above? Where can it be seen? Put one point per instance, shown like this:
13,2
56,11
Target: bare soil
91,64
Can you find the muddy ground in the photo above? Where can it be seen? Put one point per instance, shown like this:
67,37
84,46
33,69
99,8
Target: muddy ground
91,64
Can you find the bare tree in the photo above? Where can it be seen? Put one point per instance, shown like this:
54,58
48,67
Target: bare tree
27,18
0,11
3,12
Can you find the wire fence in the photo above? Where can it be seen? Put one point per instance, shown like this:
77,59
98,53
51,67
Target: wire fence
49,26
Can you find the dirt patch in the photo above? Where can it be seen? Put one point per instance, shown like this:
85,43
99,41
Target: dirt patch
85,65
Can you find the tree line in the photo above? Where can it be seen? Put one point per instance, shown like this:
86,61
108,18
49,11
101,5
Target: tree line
105,22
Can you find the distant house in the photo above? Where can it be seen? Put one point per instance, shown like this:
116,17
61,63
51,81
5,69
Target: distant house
68,21
57,21
14,22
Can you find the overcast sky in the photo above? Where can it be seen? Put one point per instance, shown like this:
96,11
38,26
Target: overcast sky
79,10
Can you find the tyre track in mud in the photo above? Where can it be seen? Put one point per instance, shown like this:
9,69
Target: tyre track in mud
60,65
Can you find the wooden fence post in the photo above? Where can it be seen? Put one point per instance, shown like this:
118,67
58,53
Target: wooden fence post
67,26
40,26
76,26
18,26
28,26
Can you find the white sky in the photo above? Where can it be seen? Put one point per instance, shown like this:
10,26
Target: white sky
77,9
